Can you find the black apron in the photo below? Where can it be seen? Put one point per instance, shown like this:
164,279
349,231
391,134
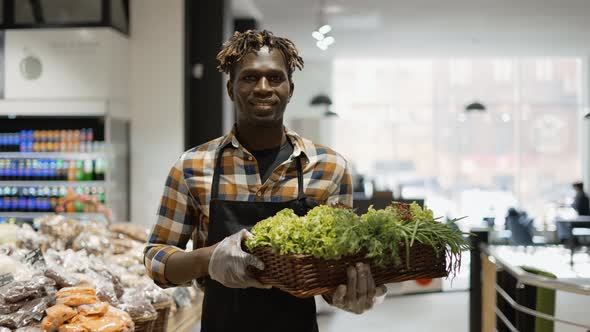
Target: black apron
252,309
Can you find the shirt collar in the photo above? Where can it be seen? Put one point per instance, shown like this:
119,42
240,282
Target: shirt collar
293,137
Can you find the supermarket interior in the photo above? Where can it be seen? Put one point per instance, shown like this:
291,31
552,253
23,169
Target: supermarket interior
397,166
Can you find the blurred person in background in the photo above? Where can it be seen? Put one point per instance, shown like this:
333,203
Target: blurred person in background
581,203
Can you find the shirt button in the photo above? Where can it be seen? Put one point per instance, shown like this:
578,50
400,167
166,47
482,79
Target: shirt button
259,193
250,158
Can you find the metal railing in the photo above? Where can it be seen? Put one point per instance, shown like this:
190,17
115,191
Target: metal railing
521,279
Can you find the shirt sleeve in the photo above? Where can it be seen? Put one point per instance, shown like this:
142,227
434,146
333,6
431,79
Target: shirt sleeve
175,223
342,192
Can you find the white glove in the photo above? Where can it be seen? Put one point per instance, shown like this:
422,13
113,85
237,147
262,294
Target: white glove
360,294
229,262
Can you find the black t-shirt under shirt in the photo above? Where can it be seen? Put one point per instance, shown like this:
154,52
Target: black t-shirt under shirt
270,159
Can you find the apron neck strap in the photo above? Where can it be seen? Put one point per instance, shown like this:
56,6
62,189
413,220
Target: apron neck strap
300,191
218,167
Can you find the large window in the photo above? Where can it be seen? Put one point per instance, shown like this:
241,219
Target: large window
403,125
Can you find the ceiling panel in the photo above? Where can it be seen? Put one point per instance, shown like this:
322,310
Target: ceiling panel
380,28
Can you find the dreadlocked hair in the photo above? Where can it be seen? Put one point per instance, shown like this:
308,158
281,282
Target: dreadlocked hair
242,43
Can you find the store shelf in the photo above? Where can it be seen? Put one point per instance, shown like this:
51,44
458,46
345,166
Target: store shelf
33,215
21,183
53,155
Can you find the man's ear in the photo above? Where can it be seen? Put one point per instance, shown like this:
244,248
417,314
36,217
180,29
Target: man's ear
291,91
230,88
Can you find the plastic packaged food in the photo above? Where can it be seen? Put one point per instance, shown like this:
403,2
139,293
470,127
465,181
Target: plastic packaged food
136,304
93,244
20,290
99,309
75,290
31,312
75,296
154,293
56,316
130,230
72,328
27,238
61,277
8,308
75,300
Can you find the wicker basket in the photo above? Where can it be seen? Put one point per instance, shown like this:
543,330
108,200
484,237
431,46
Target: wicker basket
145,324
163,310
306,276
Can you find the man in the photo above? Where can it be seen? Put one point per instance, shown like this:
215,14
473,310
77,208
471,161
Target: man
218,190
581,203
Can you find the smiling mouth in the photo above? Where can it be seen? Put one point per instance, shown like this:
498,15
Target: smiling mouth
263,107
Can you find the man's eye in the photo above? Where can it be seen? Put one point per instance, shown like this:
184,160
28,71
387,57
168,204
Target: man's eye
276,78
250,78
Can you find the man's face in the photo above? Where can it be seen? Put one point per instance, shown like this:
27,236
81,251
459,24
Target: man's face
260,88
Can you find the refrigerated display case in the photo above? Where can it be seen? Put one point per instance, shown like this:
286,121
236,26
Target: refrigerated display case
45,158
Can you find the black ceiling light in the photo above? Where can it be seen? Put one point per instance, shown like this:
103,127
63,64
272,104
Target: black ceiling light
475,107
587,116
321,100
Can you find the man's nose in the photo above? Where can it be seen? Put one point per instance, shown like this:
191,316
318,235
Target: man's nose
263,86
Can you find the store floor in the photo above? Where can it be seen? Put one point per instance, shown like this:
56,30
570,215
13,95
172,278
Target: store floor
415,313
439,312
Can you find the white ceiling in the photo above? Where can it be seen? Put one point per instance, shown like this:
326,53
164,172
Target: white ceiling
426,28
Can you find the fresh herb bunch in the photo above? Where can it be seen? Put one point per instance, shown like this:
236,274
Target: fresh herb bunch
330,233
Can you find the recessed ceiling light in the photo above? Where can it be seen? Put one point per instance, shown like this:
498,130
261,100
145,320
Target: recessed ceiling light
329,40
317,35
325,29
321,45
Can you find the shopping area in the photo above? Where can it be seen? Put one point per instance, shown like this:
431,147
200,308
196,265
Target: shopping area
476,111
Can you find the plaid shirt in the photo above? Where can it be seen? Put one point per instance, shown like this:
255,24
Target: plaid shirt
184,208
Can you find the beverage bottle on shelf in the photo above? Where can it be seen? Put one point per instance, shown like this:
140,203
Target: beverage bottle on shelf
88,170
83,135
35,171
4,142
101,196
28,169
89,134
20,171
2,167
53,170
100,169
79,170
71,170
3,145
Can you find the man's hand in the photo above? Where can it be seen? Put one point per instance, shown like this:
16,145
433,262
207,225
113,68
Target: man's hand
360,294
228,264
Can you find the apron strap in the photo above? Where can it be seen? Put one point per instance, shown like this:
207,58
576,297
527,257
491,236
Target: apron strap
301,192
218,168
216,172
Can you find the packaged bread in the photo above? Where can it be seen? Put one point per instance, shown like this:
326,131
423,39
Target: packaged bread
96,309
130,230
76,296
75,300
75,290
72,328
56,316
